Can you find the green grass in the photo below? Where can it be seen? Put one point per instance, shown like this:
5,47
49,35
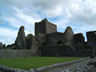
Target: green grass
34,62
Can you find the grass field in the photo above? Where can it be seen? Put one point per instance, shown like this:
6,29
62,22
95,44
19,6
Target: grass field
34,62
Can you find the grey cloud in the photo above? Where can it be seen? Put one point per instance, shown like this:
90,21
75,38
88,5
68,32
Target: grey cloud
86,13
47,6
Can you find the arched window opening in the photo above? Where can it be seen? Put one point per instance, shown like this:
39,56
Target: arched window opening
43,43
60,43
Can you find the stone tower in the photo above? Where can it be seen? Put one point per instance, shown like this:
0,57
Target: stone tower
41,29
91,38
21,40
68,36
91,41
44,27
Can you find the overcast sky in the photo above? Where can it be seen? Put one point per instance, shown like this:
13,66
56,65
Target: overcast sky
79,14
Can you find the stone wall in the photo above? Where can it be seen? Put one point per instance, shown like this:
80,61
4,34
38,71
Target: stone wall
60,51
47,40
58,67
10,53
40,27
74,66
79,41
50,28
55,38
91,39
31,43
9,69
58,38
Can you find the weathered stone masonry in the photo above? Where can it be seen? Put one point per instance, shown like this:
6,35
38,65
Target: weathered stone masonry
49,42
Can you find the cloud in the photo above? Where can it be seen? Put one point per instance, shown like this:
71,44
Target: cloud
49,7
84,12
21,19
27,18
7,32
7,35
27,12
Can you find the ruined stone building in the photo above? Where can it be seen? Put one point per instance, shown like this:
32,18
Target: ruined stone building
49,42
1,45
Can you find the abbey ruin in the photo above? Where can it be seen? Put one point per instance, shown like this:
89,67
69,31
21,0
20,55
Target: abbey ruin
48,42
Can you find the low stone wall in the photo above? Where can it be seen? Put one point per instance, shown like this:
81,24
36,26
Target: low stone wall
9,69
10,53
63,51
58,66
